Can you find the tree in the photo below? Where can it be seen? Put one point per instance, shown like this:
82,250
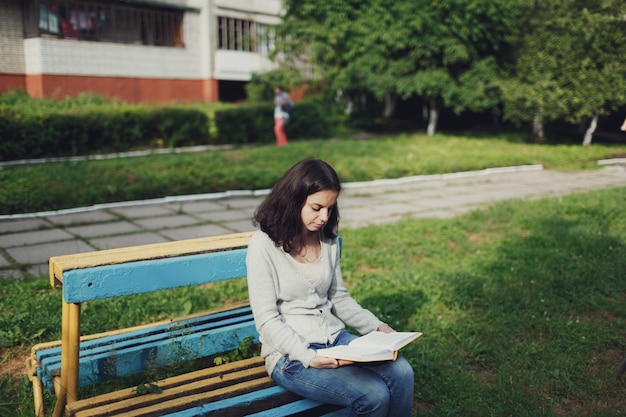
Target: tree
443,52
453,50
569,65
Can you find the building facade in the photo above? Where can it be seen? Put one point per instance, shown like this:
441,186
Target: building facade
141,51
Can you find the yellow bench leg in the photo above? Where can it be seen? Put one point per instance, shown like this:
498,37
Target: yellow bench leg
70,350
38,397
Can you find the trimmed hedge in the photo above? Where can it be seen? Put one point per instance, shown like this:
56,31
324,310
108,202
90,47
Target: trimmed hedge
89,124
67,132
255,123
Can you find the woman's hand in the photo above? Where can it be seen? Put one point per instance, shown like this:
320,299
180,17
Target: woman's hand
385,328
321,362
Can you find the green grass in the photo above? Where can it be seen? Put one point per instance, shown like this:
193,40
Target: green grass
522,306
55,186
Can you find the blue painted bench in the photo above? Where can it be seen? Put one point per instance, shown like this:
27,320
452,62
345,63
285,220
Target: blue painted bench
234,389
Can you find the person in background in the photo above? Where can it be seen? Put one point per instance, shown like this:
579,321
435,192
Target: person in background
281,99
300,303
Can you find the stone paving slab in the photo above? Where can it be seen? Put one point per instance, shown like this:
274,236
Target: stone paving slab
33,237
14,274
39,270
120,241
166,222
225,215
143,211
38,254
195,232
95,216
239,226
8,226
102,229
198,207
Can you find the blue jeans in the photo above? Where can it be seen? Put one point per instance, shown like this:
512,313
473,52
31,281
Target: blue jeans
376,389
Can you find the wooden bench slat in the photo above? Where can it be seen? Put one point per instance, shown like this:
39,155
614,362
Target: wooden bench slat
205,321
153,334
255,364
303,407
101,364
184,394
44,346
45,359
107,281
165,331
60,264
242,405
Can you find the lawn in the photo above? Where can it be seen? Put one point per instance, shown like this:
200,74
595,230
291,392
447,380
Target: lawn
522,305
54,186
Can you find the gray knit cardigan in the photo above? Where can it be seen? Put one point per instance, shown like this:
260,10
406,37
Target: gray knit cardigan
290,312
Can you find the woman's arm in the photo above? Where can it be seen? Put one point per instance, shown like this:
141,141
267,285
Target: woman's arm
262,290
347,308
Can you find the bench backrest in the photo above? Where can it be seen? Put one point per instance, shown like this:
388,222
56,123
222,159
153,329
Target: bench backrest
141,269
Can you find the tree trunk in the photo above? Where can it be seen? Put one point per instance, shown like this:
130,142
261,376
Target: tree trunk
391,99
538,134
432,119
590,130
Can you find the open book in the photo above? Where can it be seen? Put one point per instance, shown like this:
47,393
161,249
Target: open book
375,346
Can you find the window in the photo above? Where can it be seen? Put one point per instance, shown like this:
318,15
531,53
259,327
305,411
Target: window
103,21
244,35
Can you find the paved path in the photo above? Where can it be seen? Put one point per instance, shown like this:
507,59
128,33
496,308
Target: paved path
27,241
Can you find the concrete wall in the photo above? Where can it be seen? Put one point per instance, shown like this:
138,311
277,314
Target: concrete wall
11,46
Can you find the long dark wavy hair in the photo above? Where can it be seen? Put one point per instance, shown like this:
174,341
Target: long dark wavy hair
279,214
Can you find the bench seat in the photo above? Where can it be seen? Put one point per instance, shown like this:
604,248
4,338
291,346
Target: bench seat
240,388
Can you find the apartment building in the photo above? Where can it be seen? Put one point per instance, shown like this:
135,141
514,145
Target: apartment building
151,51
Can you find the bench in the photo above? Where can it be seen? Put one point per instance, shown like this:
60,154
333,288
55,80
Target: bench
233,389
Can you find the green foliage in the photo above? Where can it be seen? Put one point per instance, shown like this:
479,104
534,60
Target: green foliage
446,53
28,312
554,60
246,349
568,64
22,102
33,188
17,397
260,88
255,123
246,124
148,388
87,124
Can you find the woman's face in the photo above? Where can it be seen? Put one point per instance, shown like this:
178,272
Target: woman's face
317,208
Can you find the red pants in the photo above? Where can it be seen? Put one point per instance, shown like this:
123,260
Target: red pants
279,131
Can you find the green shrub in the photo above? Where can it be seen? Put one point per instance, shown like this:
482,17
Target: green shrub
255,123
67,129
307,121
244,124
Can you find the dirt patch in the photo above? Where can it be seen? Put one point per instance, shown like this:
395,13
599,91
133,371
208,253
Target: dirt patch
13,361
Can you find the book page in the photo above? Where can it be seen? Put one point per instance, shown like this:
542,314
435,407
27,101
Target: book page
392,341
357,354
376,346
